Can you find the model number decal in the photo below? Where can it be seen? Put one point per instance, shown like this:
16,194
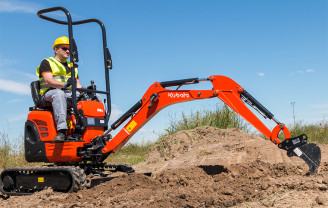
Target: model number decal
178,95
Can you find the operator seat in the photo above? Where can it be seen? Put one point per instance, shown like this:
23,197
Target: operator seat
37,98
39,102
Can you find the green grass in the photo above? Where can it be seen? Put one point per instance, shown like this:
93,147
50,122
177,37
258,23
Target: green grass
222,117
11,153
130,153
316,132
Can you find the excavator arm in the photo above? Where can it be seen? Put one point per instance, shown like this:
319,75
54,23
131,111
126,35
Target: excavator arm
231,93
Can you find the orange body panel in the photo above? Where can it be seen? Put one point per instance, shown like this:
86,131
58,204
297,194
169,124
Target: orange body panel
45,123
55,152
92,109
63,152
67,151
92,132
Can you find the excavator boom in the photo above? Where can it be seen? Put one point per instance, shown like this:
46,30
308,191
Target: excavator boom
231,93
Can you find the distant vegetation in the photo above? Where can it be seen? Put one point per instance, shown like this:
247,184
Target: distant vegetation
317,132
131,153
12,153
222,117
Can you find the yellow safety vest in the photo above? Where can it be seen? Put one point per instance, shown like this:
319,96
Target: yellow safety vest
58,73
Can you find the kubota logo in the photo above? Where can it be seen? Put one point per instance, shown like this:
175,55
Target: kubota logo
178,95
100,110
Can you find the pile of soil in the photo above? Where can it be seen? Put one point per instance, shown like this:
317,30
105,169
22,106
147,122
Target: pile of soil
203,167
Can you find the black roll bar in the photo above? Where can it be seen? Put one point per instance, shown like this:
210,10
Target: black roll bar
74,56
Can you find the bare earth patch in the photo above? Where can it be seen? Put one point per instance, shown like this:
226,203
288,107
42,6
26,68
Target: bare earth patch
203,167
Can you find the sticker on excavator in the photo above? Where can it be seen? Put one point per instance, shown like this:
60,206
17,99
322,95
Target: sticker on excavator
40,179
296,141
69,124
298,152
131,126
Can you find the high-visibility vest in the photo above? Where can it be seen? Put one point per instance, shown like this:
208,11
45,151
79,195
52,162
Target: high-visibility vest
58,73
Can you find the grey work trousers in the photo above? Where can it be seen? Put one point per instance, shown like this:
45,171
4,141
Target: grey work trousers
58,99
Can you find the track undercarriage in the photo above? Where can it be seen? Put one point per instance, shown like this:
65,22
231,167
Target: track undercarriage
61,178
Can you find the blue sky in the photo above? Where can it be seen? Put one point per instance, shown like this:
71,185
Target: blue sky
277,50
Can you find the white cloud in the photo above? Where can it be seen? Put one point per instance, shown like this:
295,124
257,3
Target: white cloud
17,118
29,76
310,70
325,105
303,71
19,6
6,70
15,101
261,74
14,87
115,114
6,61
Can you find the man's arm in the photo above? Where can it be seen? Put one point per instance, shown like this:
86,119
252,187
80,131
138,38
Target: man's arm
51,82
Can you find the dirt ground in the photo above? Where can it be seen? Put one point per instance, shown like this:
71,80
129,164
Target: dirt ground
204,167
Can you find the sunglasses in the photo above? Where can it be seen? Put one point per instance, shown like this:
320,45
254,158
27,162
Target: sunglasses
64,48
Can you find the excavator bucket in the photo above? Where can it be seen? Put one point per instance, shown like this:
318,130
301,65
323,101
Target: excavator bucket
309,152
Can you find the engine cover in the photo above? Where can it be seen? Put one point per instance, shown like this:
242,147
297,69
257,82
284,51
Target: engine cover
91,109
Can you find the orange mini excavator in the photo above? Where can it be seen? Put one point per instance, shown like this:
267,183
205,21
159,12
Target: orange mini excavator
89,143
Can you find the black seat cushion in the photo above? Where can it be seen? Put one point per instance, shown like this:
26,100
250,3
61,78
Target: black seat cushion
38,99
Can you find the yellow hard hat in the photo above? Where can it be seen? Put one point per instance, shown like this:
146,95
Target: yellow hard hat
61,41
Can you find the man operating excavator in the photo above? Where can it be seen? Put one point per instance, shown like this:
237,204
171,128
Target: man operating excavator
89,143
55,77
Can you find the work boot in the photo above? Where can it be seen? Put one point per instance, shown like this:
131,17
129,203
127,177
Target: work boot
61,136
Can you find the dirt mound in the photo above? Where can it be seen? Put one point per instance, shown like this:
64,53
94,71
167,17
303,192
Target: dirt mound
204,167
212,146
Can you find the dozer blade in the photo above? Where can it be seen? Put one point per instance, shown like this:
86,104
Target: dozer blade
311,154
299,147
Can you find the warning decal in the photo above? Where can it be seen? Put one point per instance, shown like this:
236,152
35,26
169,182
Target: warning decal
131,126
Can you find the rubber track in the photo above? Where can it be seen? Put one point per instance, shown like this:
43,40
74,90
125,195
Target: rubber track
77,174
